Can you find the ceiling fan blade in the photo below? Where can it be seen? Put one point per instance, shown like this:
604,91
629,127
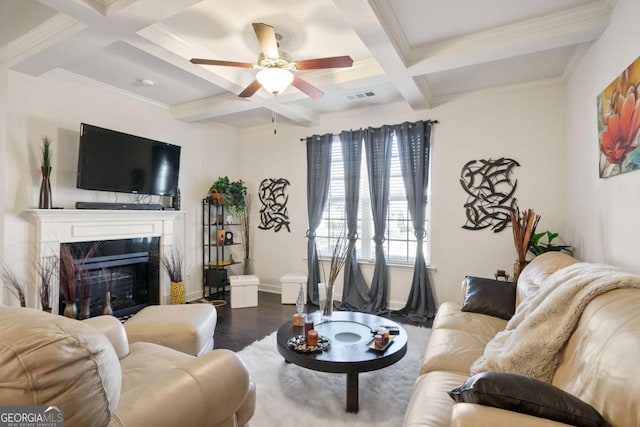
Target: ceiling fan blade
267,39
307,87
217,62
331,62
250,90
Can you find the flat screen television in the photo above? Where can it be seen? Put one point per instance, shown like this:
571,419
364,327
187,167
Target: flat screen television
109,160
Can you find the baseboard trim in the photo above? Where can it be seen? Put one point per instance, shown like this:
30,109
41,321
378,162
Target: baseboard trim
274,289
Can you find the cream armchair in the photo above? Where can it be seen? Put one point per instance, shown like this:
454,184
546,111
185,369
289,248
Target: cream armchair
99,379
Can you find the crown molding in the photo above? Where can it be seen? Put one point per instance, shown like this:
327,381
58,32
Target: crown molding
45,35
387,18
578,53
70,76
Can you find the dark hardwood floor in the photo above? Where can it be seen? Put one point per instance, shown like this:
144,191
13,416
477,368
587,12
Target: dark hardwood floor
239,327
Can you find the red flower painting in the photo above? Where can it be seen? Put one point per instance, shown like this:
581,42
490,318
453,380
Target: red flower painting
619,139
618,123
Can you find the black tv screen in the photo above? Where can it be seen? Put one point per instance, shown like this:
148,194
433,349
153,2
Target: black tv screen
114,161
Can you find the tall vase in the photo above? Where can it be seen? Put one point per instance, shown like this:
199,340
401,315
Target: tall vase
176,293
517,268
45,189
327,310
107,310
248,266
70,309
85,308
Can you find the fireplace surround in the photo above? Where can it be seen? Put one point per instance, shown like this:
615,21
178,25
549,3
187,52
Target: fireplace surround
51,227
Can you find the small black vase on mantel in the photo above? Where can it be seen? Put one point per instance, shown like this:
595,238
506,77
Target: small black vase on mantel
44,201
45,189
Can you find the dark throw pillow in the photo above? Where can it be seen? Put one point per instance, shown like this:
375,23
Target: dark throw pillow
529,396
488,296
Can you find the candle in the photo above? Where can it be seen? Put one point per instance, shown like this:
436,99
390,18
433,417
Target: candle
312,338
378,341
308,325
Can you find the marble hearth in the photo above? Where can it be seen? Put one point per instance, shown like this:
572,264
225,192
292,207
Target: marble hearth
54,226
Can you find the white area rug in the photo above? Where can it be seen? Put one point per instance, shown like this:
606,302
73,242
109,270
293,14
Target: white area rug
288,395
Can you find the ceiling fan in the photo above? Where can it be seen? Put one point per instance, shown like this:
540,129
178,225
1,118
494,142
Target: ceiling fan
276,66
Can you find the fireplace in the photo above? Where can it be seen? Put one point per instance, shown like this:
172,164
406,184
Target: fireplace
127,268
53,227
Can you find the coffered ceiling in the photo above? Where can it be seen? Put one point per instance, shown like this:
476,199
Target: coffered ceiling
422,52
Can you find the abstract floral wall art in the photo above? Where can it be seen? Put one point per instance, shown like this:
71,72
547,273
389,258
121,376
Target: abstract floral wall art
618,123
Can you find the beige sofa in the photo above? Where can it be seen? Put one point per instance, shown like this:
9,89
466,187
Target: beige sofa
598,364
99,379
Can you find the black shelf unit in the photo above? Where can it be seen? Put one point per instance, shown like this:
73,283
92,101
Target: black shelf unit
214,255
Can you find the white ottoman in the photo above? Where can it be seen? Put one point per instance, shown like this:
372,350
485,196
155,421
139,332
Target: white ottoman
184,327
244,291
291,286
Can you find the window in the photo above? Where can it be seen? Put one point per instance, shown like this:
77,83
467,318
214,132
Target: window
400,242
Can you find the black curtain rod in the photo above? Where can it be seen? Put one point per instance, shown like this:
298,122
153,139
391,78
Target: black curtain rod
427,121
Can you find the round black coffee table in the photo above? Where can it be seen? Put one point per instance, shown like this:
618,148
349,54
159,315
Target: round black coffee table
349,354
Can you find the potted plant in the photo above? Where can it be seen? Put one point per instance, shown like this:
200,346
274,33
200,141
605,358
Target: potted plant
173,261
537,246
233,194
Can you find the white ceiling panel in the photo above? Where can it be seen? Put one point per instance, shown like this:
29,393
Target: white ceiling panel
444,19
123,66
526,68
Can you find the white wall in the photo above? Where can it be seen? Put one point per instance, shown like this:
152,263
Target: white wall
53,105
602,214
526,124
3,160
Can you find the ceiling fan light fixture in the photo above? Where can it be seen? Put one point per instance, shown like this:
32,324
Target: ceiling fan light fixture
275,80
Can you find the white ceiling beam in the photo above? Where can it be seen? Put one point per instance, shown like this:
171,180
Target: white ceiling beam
300,115
578,25
99,31
374,24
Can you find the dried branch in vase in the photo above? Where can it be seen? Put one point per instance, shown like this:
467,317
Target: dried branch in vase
85,285
338,259
173,261
524,225
244,219
47,267
71,269
14,285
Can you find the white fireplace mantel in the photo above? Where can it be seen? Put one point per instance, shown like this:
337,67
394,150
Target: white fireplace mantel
55,226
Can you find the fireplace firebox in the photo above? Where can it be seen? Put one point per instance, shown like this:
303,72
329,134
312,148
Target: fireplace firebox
127,268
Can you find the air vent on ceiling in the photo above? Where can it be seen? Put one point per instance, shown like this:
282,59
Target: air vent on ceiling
360,95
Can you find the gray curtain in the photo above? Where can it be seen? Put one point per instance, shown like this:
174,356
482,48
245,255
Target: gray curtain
355,294
318,175
414,146
377,143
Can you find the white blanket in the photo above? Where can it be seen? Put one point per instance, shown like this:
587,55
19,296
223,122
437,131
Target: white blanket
543,323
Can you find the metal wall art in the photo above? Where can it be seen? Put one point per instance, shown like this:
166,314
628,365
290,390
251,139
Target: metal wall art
273,196
490,191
